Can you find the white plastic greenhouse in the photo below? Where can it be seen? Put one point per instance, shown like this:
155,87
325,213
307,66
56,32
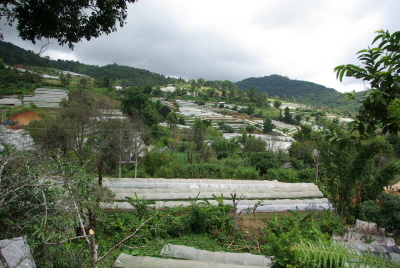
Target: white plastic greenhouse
190,253
269,195
128,261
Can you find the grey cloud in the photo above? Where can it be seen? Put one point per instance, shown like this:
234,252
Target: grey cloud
155,39
163,45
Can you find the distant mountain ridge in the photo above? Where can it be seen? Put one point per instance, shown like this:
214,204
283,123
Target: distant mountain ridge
304,92
130,76
275,85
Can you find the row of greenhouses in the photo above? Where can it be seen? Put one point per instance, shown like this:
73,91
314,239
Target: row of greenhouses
259,196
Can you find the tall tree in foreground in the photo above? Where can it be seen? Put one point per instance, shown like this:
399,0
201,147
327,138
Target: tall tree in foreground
379,111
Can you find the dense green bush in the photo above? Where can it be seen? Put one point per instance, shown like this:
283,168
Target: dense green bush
307,175
207,170
283,233
283,175
263,161
385,212
153,161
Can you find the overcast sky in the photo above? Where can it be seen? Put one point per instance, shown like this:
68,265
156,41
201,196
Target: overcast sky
233,40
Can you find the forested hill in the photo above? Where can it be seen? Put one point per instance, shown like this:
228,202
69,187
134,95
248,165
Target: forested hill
129,76
303,91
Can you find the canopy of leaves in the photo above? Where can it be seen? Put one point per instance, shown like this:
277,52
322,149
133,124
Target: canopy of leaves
380,108
381,68
67,21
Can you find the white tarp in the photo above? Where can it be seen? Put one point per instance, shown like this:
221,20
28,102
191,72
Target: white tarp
16,253
182,193
275,195
178,189
128,261
197,183
190,253
266,205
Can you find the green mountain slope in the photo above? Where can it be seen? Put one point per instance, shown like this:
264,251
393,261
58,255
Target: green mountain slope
129,76
303,91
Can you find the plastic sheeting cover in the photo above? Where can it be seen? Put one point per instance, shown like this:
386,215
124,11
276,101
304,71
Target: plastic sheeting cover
195,183
16,253
209,195
173,189
266,205
128,261
190,253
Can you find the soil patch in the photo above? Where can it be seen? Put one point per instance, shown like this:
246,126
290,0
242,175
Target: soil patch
24,119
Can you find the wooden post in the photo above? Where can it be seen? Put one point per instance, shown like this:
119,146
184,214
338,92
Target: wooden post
93,249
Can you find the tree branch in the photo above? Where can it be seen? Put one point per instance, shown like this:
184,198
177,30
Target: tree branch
63,241
126,238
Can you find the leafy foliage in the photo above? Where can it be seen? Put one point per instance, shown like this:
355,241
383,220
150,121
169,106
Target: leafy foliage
268,126
379,109
385,212
283,233
352,178
65,21
327,254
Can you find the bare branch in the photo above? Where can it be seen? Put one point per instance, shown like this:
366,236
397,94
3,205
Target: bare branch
63,241
78,214
126,238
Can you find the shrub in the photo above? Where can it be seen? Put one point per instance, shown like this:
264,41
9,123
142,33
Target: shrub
283,175
385,212
250,128
307,175
283,233
153,161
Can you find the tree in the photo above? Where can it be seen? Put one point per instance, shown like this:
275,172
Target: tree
224,147
288,116
240,94
252,93
134,100
379,111
268,126
171,120
47,200
76,116
199,130
67,21
254,144
201,81
49,137
111,139
65,79
352,178
277,104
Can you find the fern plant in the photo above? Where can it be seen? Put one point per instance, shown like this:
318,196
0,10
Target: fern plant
328,254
